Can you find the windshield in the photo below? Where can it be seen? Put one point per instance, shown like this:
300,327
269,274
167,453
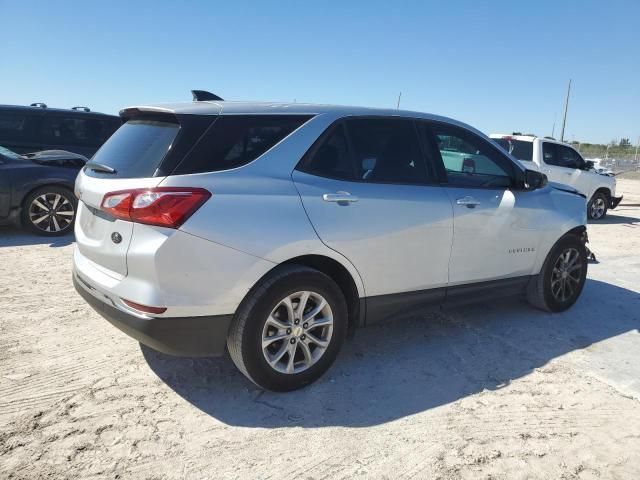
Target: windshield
137,148
5,152
520,149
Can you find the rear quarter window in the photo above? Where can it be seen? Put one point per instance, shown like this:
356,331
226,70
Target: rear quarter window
235,140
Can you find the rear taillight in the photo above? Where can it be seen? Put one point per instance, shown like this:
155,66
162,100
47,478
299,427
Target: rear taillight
163,206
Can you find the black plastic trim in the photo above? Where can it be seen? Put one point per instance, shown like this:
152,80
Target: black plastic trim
615,201
383,307
182,336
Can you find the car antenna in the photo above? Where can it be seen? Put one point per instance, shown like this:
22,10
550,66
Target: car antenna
203,96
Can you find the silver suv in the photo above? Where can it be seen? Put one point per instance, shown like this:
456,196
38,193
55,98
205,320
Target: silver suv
275,229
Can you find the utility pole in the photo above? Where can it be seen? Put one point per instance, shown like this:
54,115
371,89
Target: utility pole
398,104
635,158
566,107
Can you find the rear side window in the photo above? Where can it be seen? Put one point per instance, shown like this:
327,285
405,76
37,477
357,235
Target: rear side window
374,150
16,127
518,148
77,130
234,141
137,148
332,158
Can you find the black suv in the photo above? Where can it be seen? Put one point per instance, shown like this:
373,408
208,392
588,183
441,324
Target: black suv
35,128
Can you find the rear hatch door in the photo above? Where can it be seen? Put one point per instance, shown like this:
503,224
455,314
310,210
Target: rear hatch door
139,155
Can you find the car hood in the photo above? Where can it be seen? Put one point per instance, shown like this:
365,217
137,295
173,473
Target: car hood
58,158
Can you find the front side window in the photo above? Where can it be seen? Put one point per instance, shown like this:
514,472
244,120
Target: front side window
469,161
568,157
236,140
560,156
372,150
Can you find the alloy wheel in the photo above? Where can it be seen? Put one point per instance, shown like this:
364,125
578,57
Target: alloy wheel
597,208
297,333
566,275
51,212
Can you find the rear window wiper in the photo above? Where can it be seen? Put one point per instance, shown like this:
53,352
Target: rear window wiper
100,167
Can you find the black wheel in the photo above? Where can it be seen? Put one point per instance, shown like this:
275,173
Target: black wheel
289,329
562,277
597,207
50,211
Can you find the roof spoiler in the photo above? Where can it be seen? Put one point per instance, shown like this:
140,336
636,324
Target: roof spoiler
203,96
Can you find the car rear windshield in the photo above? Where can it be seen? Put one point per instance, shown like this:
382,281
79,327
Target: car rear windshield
520,149
136,149
236,140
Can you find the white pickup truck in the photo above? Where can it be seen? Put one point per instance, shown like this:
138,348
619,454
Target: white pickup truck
561,163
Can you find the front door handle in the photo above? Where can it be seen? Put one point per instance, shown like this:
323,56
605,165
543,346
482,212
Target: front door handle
340,197
468,202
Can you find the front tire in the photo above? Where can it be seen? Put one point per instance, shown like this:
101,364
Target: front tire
562,277
597,207
289,329
50,211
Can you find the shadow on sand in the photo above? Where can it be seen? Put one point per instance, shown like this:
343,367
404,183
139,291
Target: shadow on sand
401,368
11,236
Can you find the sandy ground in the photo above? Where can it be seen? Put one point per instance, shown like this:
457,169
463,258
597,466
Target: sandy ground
492,391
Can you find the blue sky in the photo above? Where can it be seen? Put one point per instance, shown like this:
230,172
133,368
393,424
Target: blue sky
500,66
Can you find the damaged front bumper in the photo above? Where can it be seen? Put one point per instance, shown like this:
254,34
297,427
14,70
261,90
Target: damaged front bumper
615,201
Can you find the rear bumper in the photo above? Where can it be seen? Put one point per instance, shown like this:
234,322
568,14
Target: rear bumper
182,336
615,201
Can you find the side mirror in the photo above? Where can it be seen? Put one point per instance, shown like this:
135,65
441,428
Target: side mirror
588,165
534,180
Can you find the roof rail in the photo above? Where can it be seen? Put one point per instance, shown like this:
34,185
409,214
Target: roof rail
516,133
549,137
39,104
203,96
81,109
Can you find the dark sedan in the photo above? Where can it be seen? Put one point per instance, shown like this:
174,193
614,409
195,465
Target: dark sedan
36,190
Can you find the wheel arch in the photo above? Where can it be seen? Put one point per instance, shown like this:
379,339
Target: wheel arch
579,231
339,273
604,190
33,187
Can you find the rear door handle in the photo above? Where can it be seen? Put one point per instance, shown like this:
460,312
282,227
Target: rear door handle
340,197
468,202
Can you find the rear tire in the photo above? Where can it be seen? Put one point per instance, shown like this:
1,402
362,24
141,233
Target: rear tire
598,205
276,340
50,211
562,277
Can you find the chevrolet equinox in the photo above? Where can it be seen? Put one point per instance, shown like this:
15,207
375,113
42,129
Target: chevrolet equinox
275,229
